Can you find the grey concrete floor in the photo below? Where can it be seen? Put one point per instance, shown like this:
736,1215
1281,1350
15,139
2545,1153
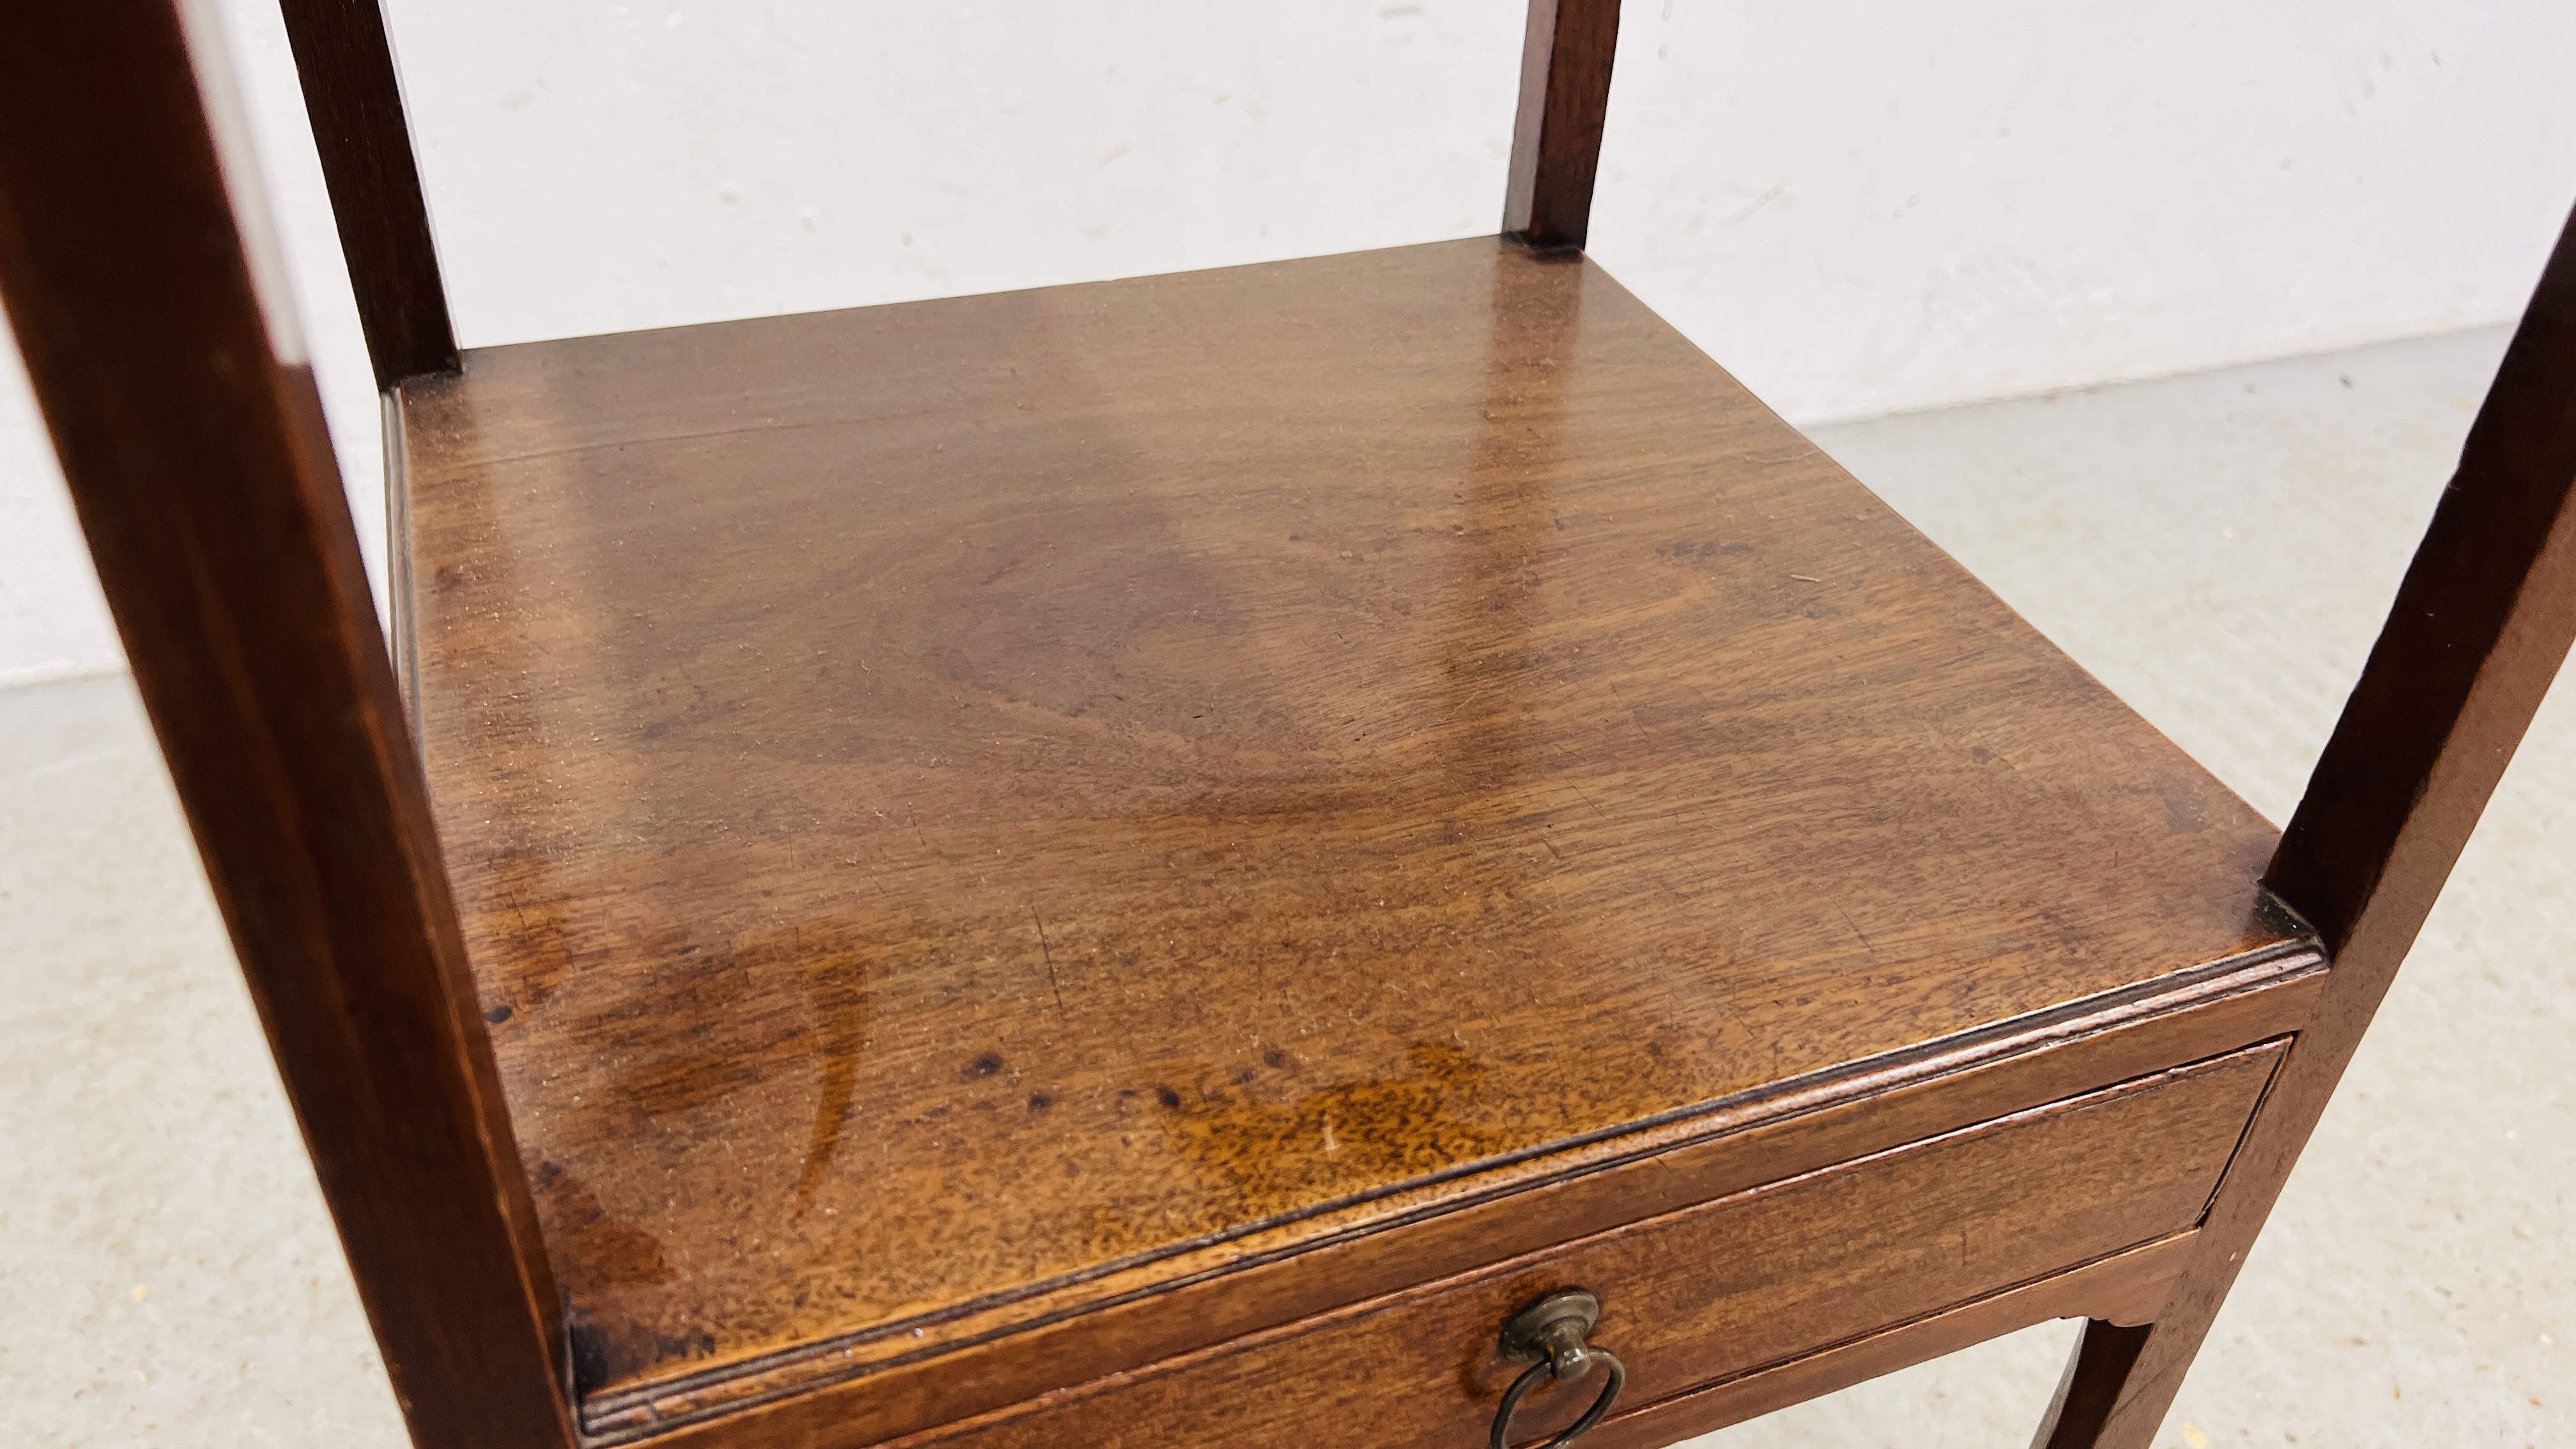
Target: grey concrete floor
2216,548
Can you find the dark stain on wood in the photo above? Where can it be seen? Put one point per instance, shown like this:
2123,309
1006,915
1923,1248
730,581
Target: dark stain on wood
1267,1158
1730,1288
1122,684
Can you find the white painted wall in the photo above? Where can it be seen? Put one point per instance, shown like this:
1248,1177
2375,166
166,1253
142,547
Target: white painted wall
1859,207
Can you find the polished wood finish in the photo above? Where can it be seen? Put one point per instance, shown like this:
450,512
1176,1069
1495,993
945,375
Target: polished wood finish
1722,1290
1174,761
205,483
2125,1286
344,59
987,1361
1067,867
2480,626
1556,136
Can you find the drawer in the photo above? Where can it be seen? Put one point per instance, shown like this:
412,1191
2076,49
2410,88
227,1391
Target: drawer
1702,1294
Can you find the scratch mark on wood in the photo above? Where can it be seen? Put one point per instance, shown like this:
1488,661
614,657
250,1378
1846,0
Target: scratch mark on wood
1048,955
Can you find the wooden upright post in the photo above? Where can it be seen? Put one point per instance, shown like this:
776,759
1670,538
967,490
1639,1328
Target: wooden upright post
345,60
2480,626
175,388
1556,141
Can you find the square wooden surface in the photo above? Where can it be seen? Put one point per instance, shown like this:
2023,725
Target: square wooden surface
958,801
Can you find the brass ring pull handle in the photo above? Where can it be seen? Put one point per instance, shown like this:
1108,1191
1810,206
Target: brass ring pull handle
1551,1331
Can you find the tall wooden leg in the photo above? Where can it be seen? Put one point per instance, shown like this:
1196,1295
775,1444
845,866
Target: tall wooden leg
175,388
2481,623
2094,1377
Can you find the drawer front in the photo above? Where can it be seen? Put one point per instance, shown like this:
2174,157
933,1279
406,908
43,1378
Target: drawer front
1700,1294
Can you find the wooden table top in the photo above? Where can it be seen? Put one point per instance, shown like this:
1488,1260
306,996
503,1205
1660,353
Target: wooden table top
952,798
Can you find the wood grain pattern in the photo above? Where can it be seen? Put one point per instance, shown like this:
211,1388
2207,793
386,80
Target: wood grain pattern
2480,627
1723,1290
1556,136
984,1361
205,484
2127,1285
353,99
958,800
